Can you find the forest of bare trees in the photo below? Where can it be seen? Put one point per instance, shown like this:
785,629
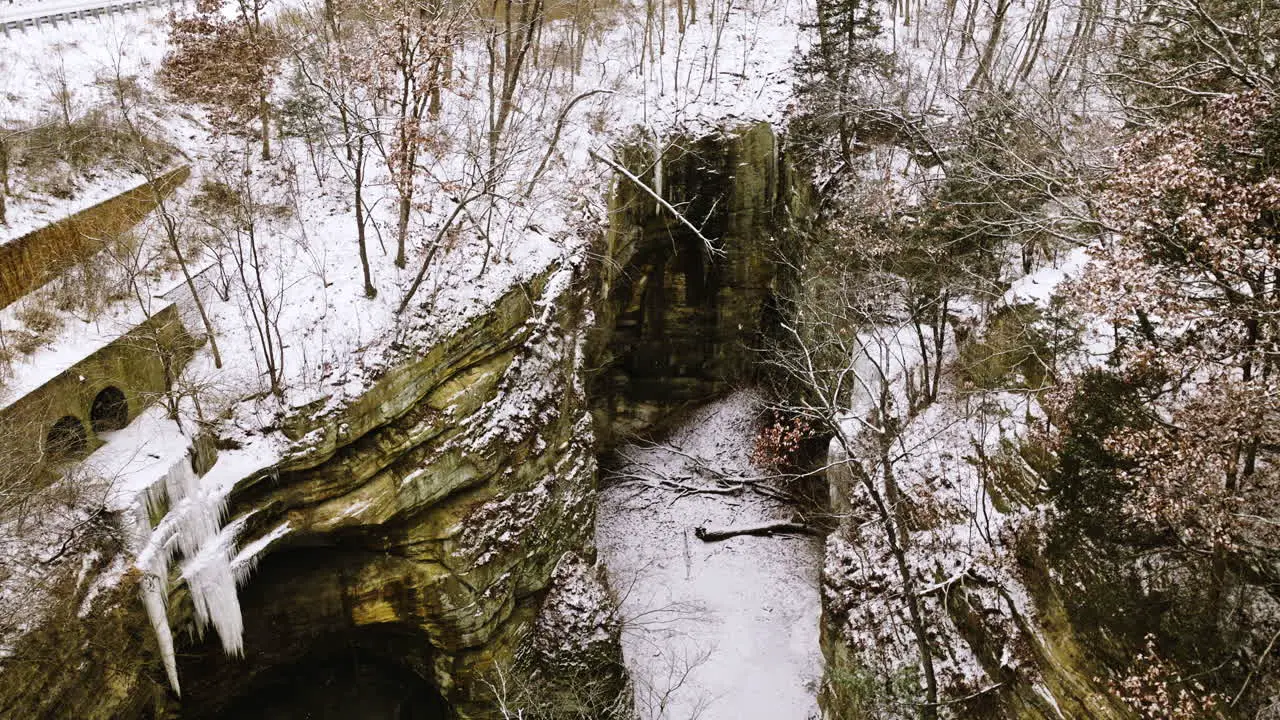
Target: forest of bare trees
1144,132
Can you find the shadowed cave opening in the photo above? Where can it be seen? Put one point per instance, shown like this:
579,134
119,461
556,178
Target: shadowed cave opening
343,683
303,656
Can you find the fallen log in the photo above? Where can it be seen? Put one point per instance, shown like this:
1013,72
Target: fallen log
706,534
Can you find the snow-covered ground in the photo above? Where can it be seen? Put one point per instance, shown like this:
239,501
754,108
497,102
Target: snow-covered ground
716,631
34,68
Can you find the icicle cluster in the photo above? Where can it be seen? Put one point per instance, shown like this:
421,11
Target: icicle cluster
193,526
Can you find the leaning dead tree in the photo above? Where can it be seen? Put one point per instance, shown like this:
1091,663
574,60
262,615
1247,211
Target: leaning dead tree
707,243
127,97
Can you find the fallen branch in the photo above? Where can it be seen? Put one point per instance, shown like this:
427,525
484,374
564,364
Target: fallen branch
968,574
713,534
964,699
710,246
1254,670
682,488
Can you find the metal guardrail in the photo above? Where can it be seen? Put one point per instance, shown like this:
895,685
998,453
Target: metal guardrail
53,18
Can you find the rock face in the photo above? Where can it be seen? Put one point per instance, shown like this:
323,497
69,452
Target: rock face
683,316
414,533
425,519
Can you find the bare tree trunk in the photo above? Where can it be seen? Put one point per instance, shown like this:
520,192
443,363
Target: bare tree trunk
712,534
968,27
926,367
1038,27
4,165
264,114
436,80
939,343
1083,28
369,290
402,228
4,178
331,17
171,232
431,251
516,43
270,350
982,76
167,220
896,537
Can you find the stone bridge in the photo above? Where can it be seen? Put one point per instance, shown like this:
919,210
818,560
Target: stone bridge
104,390
59,407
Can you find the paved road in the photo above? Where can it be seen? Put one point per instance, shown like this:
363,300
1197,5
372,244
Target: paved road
23,14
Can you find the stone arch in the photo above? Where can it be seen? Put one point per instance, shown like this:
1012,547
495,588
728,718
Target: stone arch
67,437
109,411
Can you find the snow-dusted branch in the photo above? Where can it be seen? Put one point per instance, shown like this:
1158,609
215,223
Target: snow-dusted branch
706,242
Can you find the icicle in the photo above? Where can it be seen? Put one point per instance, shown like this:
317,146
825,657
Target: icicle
214,575
246,561
192,525
212,569
199,515
155,501
154,563
213,590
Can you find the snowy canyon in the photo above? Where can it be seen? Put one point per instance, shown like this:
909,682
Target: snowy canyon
648,360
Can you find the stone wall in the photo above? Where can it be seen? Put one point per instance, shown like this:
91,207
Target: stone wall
29,261
682,320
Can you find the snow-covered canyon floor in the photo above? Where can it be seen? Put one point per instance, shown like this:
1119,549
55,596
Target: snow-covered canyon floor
715,631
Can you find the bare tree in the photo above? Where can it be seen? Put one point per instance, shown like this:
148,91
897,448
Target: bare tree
127,97
231,208
1173,55
509,40
412,39
329,64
